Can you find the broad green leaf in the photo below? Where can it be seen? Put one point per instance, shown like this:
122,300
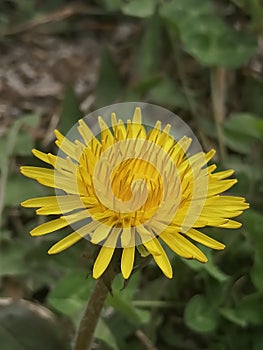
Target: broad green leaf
129,290
24,144
242,132
71,293
205,36
20,188
104,333
250,308
233,316
70,112
245,124
149,52
253,223
109,88
18,141
112,5
30,120
252,95
257,339
247,311
199,316
124,307
25,325
121,300
211,268
13,257
193,264
139,8
167,93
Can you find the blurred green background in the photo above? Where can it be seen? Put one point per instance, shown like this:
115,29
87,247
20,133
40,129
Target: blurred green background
60,60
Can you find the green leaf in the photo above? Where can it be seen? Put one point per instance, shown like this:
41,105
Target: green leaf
252,93
124,307
139,8
112,5
213,269
253,222
199,316
167,93
30,120
250,308
149,51
24,325
19,188
121,300
233,316
193,264
70,112
13,257
205,36
104,333
109,88
24,144
71,293
242,131
18,141
245,124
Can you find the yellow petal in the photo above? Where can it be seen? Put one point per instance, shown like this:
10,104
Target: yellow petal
39,202
100,233
211,168
178,243
216,187
231,224
161,258
223,174
223,212
179,150
205,240
107,138
65,243
137,116
41,155
73,238
228,203
142,250
145,235
48,227
34,172
88,135
54,204
67,146
126,236
176,247
118,128
105,255
59,223
52,178
81,215
127,261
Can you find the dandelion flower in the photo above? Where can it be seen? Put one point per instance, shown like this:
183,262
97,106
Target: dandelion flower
133,189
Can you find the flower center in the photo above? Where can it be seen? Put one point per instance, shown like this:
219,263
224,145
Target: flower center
134,176
130,192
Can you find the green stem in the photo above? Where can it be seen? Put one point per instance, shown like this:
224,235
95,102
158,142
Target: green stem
90,317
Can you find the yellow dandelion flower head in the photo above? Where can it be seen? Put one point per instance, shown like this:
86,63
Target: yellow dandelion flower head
133,176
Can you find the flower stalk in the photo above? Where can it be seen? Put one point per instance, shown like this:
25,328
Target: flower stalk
89,321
